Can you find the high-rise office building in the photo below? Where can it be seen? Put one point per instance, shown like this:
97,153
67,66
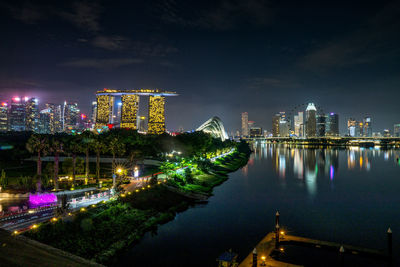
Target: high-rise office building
17,114
46,118
3,117
359,129
71,116
245,124
299,124
283,128
396,130
321,125
275,125
251,124
311,120
58,123
351,127
55,114
94,111
367,127
332,124
31,114
256,132
386,133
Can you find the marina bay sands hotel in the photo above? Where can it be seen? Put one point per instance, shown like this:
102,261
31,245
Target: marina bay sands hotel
130,107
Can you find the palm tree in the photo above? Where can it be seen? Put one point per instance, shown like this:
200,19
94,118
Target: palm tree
98,147
39,144
73,148
57,147
116,147
87,139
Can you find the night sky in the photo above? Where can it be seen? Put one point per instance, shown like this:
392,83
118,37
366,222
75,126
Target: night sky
222,57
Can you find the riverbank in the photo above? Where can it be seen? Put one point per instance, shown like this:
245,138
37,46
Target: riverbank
100,233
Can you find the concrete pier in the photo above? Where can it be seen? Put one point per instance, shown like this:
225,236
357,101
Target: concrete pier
268,244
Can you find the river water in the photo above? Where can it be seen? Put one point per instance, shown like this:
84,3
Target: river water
347,195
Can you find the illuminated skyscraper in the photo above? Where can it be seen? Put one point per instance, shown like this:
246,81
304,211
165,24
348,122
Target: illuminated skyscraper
57,118
359,129
256,132
129,113
46,118
396,130
104,110
299,124
351,127
311,120
17,114
31,115
94,111
332,124
283,128
367,127
130,99
71,116
156,123
55,113
275,125
245,124
321,125
3,117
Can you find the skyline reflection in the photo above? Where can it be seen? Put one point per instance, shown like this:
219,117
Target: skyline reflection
308,164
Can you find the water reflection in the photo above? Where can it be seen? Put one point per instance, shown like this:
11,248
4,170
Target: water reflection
307,164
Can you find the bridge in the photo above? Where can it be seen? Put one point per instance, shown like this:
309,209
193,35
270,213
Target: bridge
357,141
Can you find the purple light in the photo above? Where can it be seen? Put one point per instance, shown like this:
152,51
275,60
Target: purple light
332,172
42,198
332,113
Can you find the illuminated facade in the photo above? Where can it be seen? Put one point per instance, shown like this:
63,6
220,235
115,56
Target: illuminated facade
3,117
368,126
129,111
275,125
156,123
245,124
104,110
396,130
129,107
94,111
214,127
32,115
311,120
17,114
332,124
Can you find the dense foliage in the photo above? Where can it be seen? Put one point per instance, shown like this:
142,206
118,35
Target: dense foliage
99,232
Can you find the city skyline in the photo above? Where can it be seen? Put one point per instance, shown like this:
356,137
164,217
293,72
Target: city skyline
351,126
224,57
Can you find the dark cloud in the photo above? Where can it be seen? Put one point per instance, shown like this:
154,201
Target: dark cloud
26,12
84,15
272,83
111,42
108,63
376,39
220,15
